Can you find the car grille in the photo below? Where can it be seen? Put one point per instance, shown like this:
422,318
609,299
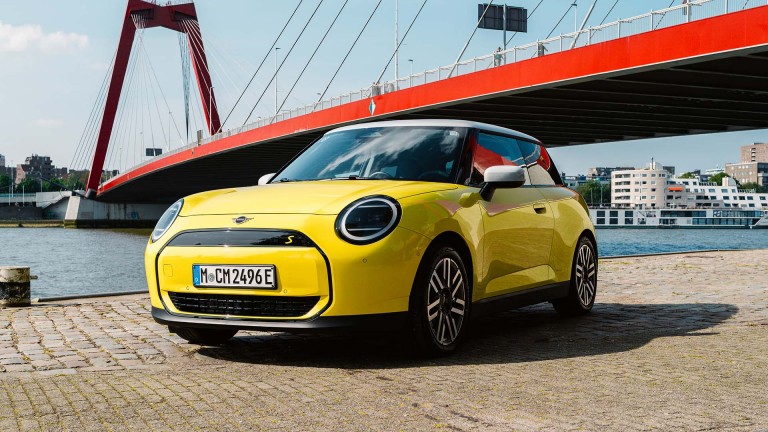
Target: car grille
244,305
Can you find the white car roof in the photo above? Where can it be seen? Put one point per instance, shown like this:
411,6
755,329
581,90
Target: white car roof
438,123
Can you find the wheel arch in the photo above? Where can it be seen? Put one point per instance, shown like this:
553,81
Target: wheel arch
455,240
591,236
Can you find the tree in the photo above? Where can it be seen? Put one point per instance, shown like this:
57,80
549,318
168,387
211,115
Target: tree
595,193
718,178
5,181
29,185
752,185
687,175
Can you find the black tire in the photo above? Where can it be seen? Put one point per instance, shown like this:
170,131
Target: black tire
439,330
203,336
583,286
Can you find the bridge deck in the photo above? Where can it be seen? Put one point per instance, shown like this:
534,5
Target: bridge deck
702,77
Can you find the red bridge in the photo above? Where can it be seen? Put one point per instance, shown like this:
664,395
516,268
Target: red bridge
706,73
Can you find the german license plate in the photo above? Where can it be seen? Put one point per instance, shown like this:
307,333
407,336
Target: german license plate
238,276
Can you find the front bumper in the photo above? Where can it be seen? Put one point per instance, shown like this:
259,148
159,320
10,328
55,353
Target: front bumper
374,322
340,280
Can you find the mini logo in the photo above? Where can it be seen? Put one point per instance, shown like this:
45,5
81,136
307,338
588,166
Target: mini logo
241,219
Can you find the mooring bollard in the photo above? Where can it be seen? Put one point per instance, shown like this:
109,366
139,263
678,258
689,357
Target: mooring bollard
14,286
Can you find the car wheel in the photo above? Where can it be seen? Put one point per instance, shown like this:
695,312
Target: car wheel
583,287
440,303
204,336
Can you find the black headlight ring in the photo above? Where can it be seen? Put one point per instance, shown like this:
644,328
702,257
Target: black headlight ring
342,232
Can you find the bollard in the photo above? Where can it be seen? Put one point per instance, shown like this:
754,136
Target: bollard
14,286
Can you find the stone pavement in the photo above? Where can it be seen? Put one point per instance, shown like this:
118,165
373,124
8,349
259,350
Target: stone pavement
675,342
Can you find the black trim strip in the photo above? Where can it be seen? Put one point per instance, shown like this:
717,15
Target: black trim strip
240,238
520,299
383,322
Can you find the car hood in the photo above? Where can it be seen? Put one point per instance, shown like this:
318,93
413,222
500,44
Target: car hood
306,197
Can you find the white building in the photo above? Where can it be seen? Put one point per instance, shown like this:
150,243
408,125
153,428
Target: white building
639,188
654,188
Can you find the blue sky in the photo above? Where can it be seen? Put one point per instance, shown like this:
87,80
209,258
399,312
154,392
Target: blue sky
54,56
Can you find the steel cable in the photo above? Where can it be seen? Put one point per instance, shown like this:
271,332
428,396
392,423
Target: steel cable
283,62
266,56
319,44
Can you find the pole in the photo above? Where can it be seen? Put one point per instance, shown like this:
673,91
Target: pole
410,81
575,17
584,24
504,26
397,44
276,48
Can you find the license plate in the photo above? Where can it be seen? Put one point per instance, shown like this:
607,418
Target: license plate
251,276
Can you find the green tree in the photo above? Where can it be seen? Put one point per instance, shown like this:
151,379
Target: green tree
5,181
595,193
686,175
752,185
29,185
718,178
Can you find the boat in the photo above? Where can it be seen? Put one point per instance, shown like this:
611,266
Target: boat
679,218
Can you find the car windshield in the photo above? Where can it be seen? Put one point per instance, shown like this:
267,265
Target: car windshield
403,153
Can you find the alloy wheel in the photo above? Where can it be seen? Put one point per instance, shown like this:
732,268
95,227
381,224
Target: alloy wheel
446,301
586,275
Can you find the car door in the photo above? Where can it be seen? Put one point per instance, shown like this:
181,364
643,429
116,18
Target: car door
518,224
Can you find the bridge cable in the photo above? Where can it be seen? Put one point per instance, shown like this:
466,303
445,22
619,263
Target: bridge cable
94,112
184,54
665,14
529,17
283,62
474,30
306,65
611,10
403,39
194,32
347,55
561,20
266,56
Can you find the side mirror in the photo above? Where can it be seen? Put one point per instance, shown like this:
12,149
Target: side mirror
265,179
501,176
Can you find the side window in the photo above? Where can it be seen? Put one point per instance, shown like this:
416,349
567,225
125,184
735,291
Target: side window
491,150
541,169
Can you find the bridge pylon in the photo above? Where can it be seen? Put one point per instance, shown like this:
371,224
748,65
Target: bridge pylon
171,15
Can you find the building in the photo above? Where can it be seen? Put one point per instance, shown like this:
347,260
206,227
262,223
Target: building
749,172
692,193
35,166
604,172
757,152
640,188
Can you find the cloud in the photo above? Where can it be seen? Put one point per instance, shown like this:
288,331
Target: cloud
29,37
48,123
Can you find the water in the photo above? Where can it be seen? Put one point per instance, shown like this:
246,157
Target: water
81,261
629,241
77,261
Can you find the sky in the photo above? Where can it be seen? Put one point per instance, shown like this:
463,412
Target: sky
55,55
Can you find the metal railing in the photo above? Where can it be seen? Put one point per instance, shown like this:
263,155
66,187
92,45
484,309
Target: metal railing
694,10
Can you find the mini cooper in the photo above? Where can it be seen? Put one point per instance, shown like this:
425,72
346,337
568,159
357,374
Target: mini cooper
419,225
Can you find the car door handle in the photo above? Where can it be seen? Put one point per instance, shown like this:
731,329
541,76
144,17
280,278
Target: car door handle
540,208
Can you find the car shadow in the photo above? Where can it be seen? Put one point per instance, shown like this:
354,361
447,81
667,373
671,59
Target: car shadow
533,333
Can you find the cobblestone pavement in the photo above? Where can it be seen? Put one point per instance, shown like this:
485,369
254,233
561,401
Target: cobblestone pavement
675,342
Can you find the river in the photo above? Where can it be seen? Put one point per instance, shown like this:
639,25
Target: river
83,261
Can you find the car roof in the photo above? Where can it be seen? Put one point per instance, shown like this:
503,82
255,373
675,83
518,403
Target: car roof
438,123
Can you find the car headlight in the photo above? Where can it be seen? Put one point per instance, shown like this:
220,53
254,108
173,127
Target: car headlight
166,220
368,219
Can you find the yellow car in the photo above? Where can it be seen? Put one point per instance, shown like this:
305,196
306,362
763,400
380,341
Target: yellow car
419,225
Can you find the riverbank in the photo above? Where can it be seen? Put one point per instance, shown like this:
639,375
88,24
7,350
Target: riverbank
674,342
31,223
